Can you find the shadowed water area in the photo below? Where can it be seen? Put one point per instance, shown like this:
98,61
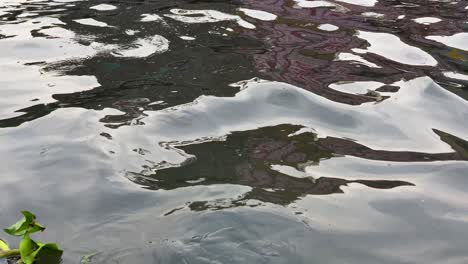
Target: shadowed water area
246,131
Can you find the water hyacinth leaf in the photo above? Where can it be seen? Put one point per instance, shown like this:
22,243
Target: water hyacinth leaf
31,220
26,224
47,254
3,245
87,259
36,227
18,228
27,247
30,217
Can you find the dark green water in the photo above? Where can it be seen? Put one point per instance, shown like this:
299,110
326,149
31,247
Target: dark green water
268,131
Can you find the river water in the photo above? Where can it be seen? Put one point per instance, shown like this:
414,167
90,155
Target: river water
248,131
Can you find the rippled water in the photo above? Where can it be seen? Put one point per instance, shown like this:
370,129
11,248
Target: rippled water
273,131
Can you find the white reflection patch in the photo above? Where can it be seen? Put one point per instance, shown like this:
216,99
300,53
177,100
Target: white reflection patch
392,48
206,16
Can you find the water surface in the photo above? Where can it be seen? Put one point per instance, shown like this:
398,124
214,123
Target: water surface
273,131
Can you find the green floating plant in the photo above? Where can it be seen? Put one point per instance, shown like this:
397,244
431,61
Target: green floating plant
30,251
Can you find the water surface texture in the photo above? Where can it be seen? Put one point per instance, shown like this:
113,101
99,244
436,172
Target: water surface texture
246,131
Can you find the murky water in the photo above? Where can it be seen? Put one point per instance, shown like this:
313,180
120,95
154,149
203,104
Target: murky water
273,131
